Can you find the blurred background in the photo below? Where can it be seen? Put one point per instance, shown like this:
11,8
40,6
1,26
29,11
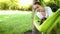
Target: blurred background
16,15
26,5
16,4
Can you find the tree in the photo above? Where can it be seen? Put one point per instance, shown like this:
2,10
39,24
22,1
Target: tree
33,32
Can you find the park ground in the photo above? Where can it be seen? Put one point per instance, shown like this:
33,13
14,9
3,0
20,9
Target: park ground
15,22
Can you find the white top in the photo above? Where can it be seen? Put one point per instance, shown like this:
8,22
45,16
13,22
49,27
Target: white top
48,13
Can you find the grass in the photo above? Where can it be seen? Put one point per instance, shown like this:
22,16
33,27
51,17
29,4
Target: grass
15,23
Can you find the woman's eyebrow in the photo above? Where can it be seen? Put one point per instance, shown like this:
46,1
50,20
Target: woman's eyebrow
37,7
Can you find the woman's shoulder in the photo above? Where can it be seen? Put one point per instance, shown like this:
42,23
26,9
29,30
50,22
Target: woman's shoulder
49,10
47,7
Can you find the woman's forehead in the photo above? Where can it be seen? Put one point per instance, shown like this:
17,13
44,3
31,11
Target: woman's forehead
37,5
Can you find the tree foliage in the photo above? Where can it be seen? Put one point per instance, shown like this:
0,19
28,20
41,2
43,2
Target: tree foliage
13,5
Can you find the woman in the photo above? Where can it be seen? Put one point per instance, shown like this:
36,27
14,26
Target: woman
42,13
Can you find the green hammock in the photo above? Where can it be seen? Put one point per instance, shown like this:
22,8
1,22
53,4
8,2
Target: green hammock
50,24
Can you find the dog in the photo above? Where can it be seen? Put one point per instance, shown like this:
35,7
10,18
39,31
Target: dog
41,20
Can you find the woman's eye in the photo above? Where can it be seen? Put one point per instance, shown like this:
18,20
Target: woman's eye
37,7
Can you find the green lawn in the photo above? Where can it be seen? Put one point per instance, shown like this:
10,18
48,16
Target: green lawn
15,23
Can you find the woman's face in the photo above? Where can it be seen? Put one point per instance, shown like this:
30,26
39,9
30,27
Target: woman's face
38,8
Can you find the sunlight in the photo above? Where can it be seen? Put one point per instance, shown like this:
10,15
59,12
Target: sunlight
46,0
25,2
4,0
1,20
10,12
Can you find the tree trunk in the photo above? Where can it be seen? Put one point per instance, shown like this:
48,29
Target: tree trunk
33,27
32,21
